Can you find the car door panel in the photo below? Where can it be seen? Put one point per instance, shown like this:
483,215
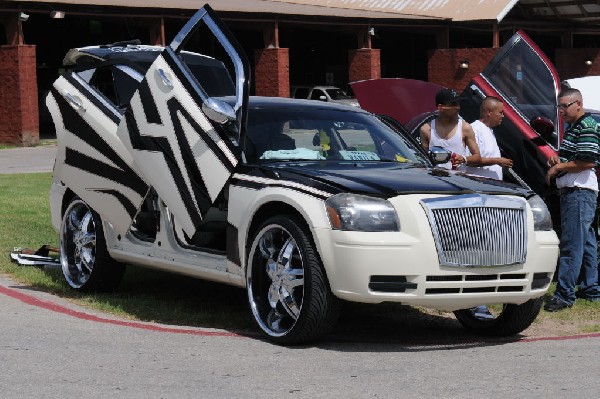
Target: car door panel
187,157
91,159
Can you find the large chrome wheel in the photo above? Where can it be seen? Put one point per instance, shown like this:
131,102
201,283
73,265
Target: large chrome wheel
500,320
288,291
85,261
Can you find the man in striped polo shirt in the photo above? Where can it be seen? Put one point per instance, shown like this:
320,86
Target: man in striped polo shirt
576,179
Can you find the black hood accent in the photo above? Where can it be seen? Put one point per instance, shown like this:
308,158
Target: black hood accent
386,179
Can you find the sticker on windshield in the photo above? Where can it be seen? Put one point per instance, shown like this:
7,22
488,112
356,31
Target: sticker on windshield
298,153
359,155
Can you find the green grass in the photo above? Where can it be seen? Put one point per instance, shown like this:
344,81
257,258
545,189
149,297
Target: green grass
144,294
150,295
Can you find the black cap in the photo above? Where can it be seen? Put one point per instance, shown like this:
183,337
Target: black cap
446,96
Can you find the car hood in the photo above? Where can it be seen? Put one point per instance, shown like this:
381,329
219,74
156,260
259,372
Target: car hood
387,179
396,97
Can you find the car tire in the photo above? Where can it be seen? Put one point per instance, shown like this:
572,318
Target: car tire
287,287
510,320
85,261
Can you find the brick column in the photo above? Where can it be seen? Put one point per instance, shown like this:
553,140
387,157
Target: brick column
272,72
19,117
363,64
444,65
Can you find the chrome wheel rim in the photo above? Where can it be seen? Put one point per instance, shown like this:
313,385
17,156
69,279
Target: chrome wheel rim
275,280
78,244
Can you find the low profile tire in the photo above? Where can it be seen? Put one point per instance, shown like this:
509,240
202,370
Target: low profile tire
288,290
509,320
85,261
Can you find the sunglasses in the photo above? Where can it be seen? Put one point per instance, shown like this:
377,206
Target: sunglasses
565,106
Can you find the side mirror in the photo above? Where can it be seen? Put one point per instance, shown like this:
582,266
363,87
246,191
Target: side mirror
439,155
322,98
218,111
543,126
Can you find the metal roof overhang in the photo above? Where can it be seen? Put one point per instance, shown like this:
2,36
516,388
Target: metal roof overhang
455,10
585,11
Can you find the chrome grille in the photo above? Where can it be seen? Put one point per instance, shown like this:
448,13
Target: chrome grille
478,230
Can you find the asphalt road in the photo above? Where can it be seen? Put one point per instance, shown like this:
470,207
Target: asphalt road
50,348
27,159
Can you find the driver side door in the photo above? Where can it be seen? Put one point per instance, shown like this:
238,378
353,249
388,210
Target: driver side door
184,124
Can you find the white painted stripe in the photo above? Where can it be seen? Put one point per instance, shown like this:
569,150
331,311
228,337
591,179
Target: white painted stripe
267,181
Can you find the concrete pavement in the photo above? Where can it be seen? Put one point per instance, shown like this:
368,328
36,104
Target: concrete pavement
27,159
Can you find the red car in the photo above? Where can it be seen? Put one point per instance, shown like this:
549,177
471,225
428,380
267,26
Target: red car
523,77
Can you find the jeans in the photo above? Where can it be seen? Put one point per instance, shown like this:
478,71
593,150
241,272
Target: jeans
578,262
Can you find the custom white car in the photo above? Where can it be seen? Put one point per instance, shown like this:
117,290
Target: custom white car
164,161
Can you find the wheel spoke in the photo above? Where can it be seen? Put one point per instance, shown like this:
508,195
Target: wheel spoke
273,295
285,255
292,278
274,320
88,240
289,304
73,221
266,246
87,223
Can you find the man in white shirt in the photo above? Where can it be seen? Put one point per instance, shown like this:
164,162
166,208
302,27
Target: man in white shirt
491,114
449,131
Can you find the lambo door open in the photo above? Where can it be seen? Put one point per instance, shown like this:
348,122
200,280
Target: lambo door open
183,125
523,77
91,160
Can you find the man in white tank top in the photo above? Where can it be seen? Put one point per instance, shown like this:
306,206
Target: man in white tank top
449,131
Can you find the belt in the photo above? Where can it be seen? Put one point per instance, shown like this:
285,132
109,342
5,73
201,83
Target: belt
566,190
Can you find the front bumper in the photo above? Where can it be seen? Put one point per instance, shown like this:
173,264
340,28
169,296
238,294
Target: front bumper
404,267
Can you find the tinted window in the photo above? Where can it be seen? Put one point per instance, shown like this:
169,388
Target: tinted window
526,82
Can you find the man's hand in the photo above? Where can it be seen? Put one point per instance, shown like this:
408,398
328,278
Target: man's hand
551,174
505,163
553,160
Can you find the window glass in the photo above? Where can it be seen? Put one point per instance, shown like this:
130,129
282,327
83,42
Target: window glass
323,134
316,94
527,83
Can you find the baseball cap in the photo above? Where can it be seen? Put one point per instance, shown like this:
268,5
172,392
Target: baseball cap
446,96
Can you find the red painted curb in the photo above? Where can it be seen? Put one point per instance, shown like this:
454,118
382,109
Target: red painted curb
31,300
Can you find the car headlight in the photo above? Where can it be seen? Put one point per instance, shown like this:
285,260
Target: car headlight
541,216
361,213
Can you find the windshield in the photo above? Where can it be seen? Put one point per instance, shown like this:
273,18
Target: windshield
337,94
527,82
300,133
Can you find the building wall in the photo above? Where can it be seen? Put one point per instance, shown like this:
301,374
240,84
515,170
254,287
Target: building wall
364,64
19,118
272,72
444,65
570,63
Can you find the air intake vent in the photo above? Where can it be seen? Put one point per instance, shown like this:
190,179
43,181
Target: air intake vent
390,284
